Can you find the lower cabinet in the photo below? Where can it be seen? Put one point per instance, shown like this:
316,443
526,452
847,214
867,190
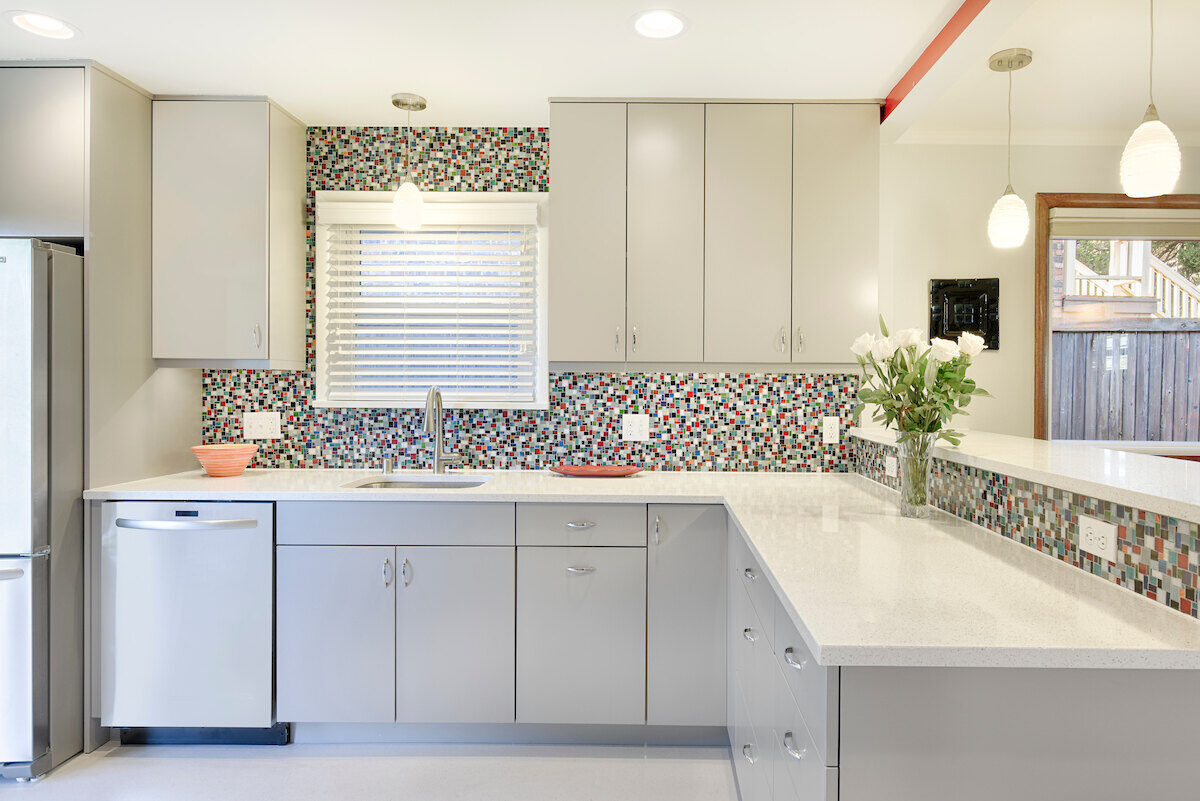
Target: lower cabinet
581,653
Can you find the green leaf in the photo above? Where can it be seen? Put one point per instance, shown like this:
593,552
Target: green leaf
883,326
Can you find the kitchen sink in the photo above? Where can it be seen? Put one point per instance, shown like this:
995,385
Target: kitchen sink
418,482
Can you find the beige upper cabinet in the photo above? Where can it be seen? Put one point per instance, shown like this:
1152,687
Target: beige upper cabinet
748,232
587,266
665,223
228,234
835,229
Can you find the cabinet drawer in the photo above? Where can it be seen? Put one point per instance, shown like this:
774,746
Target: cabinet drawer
581,524
799,771
814,687
749,574
750,764
388,523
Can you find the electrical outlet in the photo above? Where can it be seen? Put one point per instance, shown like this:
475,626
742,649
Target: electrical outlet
261,425
635,427
1098,538
891,466
831,430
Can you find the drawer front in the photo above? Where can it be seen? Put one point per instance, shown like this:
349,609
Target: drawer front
581,524
393,523
748,573
815,688
749,763
799,769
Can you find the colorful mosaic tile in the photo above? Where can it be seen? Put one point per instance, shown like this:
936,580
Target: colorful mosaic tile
700,421
1156,554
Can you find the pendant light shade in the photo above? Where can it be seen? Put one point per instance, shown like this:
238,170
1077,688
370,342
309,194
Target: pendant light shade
1008,224
1151,163
407,207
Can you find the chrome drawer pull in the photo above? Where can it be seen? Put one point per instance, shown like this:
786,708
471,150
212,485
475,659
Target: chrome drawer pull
791,660
578,570
748,753
387,572
658,529
750,574
749,635
581,524
186,525
406,571
789,745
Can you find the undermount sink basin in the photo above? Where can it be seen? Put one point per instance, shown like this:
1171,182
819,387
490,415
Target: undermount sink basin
418,482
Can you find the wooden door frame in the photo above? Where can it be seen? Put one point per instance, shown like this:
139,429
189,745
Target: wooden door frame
1041,275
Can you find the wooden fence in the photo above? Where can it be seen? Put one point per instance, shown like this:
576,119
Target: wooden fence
1126,385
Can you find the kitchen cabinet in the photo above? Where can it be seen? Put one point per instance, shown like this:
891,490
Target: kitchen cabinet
835,228
587,271
581,635
747,232
686,616
228,234
455,634
665,229
335,644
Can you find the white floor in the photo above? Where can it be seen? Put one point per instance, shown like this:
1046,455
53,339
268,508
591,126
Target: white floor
391,772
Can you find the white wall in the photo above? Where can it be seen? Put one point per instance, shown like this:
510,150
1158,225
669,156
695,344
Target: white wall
934,204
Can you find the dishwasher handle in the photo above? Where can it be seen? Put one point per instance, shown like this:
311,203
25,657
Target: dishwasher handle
187,525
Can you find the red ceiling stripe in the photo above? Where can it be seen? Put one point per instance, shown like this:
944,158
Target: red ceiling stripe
937,48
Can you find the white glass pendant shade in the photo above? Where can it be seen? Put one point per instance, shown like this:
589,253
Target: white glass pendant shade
1008,224
407,207
1151,163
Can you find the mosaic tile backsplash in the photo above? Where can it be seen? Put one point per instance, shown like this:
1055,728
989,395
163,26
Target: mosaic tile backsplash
700,421
1156,554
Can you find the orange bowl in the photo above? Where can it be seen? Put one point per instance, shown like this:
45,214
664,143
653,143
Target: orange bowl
228,459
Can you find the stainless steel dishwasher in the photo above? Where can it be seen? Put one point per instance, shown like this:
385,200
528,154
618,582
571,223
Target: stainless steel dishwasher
186,614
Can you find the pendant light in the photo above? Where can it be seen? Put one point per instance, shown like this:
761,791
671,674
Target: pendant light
407,206
1008,224
1151,163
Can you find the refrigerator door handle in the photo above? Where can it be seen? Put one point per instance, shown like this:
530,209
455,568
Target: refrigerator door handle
11,575
186,525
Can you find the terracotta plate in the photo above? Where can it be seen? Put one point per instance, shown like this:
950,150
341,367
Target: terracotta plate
596,470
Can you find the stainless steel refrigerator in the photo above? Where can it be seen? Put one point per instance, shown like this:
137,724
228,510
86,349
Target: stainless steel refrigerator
41,507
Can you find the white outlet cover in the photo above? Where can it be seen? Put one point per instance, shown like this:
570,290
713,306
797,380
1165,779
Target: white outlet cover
891,466
1098,538
635,427
262,425
831,430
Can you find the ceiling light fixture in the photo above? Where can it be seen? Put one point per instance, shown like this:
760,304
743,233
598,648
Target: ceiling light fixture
1151,163
659,24
41,24
407,206
1008,224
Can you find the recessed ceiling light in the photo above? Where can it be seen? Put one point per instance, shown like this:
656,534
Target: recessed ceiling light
659,24
41,24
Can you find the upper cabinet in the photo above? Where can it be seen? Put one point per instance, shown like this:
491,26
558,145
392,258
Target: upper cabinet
228,225
712,232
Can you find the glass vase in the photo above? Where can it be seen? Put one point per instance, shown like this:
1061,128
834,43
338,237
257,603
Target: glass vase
914,475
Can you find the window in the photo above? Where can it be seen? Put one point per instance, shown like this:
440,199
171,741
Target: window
459,304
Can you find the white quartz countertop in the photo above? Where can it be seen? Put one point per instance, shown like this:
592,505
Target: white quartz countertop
1157,484
863,585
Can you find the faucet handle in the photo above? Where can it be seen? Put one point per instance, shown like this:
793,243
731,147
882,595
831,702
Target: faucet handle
387,465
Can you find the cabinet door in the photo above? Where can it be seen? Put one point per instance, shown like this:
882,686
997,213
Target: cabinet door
587,270
455,635
335,623
581,635
685,616
209,248
665,308
747,232
835,229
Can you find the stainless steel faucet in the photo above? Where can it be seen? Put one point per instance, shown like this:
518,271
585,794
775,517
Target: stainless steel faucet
433,425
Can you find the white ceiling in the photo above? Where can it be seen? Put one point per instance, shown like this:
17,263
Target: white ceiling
491,62
1088,80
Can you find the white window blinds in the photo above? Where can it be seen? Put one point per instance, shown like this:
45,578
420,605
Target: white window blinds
452,305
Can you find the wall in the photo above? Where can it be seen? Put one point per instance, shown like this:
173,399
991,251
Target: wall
934,205
701,421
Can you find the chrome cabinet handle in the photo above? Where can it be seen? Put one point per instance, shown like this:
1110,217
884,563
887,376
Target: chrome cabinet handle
406,572
658,529
783,342
750,574
580,570
788,656
748,753
749,635
257,332
581,524
617,340
798,341
186,525
633,338
789,745
11,575
387,572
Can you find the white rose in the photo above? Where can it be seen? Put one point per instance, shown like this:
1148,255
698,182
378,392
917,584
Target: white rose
883,349
862,345
943,350
909,337
970,344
